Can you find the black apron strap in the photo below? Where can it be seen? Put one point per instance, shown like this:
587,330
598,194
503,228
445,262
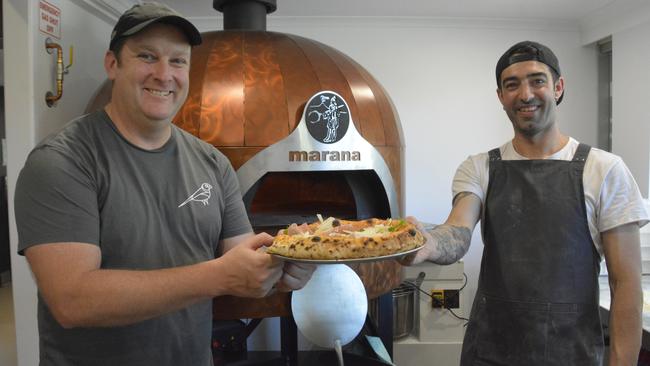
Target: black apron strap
582,152
494,154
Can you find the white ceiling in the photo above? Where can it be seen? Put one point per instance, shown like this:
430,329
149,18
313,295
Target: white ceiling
565,10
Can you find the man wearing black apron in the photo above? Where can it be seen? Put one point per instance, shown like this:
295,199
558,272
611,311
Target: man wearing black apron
547,214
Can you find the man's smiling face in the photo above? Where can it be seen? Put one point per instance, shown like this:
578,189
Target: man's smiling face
151,77
528,94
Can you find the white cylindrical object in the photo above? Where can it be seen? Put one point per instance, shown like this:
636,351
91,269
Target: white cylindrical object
332,306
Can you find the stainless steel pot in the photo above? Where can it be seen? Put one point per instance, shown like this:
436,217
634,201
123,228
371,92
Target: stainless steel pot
403,310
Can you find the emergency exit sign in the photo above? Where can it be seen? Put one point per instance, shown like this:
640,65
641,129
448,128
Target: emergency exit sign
49,19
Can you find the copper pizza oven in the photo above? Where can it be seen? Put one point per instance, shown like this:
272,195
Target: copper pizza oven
248,95
248,91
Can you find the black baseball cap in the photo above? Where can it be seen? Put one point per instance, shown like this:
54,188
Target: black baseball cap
142,15
528,51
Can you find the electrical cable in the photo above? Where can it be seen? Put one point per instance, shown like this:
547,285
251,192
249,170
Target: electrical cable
464,284
459,290
458,317
433,299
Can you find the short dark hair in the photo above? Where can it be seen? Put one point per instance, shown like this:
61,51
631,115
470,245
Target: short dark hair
118,45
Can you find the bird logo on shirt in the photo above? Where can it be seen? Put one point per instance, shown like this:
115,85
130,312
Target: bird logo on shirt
201,195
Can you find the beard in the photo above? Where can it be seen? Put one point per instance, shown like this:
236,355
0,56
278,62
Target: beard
541,121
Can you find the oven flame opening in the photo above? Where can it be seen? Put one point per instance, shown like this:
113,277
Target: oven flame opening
279,199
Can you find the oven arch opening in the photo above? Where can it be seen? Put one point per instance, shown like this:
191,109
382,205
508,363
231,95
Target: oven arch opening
279,199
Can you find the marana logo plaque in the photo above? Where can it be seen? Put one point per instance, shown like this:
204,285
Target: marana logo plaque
327,118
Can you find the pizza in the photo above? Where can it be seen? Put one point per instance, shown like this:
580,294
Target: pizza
335,239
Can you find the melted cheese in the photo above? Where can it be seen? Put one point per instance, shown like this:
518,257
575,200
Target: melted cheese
370,231
324,225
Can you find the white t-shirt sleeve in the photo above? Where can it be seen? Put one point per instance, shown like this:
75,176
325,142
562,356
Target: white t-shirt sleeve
620,200
471,176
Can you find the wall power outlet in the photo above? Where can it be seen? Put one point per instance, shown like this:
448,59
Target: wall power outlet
445,299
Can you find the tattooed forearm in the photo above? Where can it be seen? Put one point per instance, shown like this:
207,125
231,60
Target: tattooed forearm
450,243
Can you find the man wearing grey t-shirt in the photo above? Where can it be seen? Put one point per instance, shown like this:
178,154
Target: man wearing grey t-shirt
130,225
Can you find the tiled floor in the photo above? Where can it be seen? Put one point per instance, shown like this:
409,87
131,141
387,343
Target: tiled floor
7,330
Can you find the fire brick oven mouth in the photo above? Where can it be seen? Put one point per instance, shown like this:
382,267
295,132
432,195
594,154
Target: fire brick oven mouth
281,198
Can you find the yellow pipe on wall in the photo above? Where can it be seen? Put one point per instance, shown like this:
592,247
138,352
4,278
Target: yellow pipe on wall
51,98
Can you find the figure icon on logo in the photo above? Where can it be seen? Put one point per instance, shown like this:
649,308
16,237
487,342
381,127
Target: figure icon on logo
331,112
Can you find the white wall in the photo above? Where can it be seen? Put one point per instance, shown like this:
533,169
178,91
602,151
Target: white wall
440,75
20,134
28,75
630,115
629,26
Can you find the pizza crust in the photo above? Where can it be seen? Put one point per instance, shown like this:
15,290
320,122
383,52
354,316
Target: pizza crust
369,238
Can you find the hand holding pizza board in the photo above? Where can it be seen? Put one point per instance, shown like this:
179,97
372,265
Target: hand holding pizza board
331,309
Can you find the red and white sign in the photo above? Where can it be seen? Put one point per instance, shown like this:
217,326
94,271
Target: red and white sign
49,19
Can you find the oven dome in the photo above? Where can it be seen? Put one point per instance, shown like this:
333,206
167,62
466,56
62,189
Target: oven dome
248,90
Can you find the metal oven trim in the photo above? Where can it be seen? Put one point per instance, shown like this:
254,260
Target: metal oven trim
351,152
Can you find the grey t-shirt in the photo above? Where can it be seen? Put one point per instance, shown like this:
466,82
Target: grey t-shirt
145,210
